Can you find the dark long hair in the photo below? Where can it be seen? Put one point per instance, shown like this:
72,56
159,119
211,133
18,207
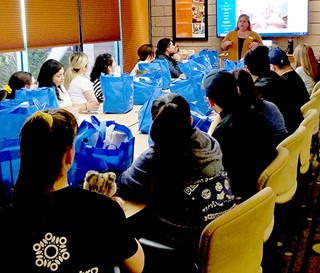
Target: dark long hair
162,46
101,66
17,81
42,147
48,69
171,132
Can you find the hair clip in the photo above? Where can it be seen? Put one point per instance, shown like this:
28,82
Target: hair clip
7,88
47,117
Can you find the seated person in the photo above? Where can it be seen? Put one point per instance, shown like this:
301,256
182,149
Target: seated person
18,80
105,63
266,108
245,138
52,75
306,65
78,86
146,54
49,227
165,49
272,87
279,63
180,176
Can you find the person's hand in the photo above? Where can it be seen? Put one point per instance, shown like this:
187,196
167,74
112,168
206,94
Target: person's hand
253,45
227,44
92,105
176,57
119,200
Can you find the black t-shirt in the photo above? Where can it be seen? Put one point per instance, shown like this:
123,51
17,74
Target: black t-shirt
81,232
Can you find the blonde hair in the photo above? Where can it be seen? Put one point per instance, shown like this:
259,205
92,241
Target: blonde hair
77,60
304,57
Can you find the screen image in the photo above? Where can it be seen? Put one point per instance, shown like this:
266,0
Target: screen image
268,17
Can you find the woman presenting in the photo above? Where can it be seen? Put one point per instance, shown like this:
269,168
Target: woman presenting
237,42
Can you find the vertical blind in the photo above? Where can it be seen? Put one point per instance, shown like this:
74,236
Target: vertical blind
56,23
11,26
135,30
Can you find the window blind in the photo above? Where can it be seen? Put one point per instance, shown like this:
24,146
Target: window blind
11,26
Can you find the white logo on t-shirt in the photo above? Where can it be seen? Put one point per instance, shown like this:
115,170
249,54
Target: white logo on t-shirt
51,251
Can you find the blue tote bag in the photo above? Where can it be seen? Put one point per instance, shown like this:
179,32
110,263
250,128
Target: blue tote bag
144,114
161,66
42,97
212,55
13,117
144,85
118,93
191,90
95,150
9,161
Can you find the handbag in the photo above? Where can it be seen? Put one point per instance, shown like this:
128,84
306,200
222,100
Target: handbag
229,65
144,114
103,146
191,68
42,97
9,161
14,113
118,92
191,90
199,120
144,85
161,66
213,56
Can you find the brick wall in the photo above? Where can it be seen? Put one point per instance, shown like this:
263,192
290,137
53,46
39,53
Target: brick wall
161,23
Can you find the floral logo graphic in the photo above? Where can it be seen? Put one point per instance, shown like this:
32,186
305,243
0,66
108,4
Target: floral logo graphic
51,251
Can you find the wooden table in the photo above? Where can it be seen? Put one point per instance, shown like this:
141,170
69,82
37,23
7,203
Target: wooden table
131,208
128,119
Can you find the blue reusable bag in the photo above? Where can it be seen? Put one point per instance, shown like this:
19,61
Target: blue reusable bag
92,153
9,161
199,120
42,97
191,67
161,66
229,65
213,56
191,90
14,117
144,85
144,114
118,92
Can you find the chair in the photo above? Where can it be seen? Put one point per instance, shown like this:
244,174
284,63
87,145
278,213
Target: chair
313,103
284,183
233,242
311,123
315,87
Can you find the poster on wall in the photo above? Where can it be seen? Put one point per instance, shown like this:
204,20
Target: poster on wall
190,19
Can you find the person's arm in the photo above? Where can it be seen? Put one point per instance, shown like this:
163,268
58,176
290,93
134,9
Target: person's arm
92,102
135,263
226,42
135,184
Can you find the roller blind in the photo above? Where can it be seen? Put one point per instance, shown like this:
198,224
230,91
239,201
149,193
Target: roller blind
11,26
135,30
100,21
52,23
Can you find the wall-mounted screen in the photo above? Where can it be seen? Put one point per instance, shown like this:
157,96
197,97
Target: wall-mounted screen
268,17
